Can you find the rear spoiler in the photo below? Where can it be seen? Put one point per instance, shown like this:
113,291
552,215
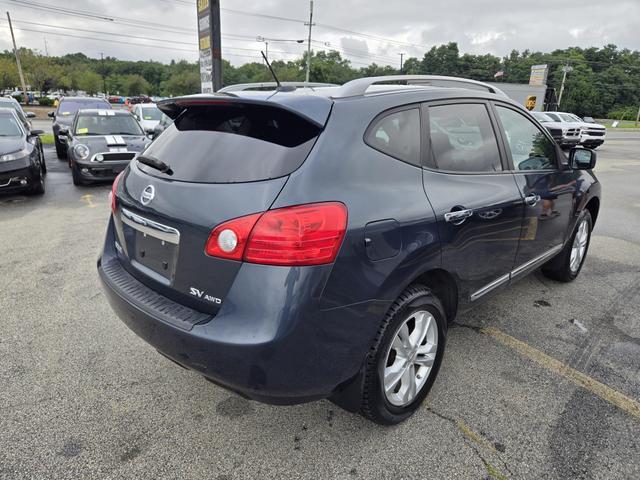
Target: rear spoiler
314,109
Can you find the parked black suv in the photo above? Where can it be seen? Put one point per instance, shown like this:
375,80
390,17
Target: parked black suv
292,246
65,113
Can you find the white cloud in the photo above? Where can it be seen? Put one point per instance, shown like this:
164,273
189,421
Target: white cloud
410,27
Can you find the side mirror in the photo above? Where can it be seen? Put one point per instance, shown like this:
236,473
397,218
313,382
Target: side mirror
35,133
30,115
51,114
582,158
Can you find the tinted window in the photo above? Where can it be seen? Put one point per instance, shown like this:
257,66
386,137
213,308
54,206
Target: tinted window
567,118
69,107
555,117
226,144
462,139
151,113
530,148
398,135
9,127
107,125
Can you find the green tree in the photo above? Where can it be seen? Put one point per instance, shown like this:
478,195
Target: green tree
89,81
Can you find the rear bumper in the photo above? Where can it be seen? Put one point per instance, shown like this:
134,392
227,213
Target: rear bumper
271,345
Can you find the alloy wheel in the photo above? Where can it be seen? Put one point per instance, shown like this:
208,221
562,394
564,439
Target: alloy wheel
579,246
410,358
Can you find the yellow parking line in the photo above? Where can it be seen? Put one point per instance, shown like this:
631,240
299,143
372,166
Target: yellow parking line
89,200
620,400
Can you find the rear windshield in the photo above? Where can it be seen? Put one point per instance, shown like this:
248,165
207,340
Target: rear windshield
69,107
151,113
228,144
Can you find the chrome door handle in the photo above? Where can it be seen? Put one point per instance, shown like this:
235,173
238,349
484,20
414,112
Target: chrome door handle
532,200
458,216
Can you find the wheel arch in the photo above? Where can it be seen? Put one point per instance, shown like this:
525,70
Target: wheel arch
443,286
593,206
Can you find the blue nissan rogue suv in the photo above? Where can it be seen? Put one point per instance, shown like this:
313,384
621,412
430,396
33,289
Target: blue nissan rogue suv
294,245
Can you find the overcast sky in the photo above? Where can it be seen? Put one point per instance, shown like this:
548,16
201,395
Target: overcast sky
381,28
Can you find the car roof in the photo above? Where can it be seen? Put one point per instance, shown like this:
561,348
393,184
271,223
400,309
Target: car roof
146,105
84,99
95,112
9,99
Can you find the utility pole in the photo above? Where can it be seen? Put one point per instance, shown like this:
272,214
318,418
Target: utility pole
15,51
401,62
46,48
566,69
638,117
309,42
104,80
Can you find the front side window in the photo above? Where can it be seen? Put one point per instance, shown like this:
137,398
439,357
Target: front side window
530,148
554,116
462,139
398,135
107,125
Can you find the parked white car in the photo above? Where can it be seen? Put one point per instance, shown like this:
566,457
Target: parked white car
148,115
592,135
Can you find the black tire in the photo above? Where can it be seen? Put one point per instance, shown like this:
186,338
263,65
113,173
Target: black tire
61,149
37,188
77,179
375,405
559,267
42,161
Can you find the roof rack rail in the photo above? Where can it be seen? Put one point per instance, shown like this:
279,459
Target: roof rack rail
240,87
358,87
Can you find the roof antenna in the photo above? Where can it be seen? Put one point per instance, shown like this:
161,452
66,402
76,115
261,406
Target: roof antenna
279,88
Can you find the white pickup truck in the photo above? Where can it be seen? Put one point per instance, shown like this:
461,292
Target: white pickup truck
592,135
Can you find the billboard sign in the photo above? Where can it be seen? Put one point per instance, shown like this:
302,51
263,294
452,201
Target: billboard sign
209,45
538,75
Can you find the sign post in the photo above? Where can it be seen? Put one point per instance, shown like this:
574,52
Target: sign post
210,45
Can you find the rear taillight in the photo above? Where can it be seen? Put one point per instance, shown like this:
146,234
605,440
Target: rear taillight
229,239
301,235
112,195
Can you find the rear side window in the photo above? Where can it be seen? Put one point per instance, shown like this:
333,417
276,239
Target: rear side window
463,139
233,143
398,135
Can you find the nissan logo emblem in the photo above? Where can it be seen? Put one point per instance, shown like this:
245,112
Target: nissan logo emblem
148,194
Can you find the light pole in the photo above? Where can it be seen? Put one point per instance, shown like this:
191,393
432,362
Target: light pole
401,62
566,69
266,41
309,42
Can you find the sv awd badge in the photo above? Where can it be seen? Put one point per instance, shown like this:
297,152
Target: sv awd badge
201,294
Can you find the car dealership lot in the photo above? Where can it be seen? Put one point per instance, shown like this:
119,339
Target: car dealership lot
542,380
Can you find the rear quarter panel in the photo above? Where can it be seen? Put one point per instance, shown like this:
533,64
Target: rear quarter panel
374,187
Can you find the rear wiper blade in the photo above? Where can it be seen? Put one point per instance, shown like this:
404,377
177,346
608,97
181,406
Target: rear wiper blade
156,163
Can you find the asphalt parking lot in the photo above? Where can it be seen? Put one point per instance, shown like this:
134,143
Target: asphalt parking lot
541,381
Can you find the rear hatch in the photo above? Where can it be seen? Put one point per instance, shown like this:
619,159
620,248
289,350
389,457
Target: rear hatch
226,157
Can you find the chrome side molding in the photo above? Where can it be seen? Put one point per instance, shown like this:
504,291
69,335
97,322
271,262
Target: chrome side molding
533,263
